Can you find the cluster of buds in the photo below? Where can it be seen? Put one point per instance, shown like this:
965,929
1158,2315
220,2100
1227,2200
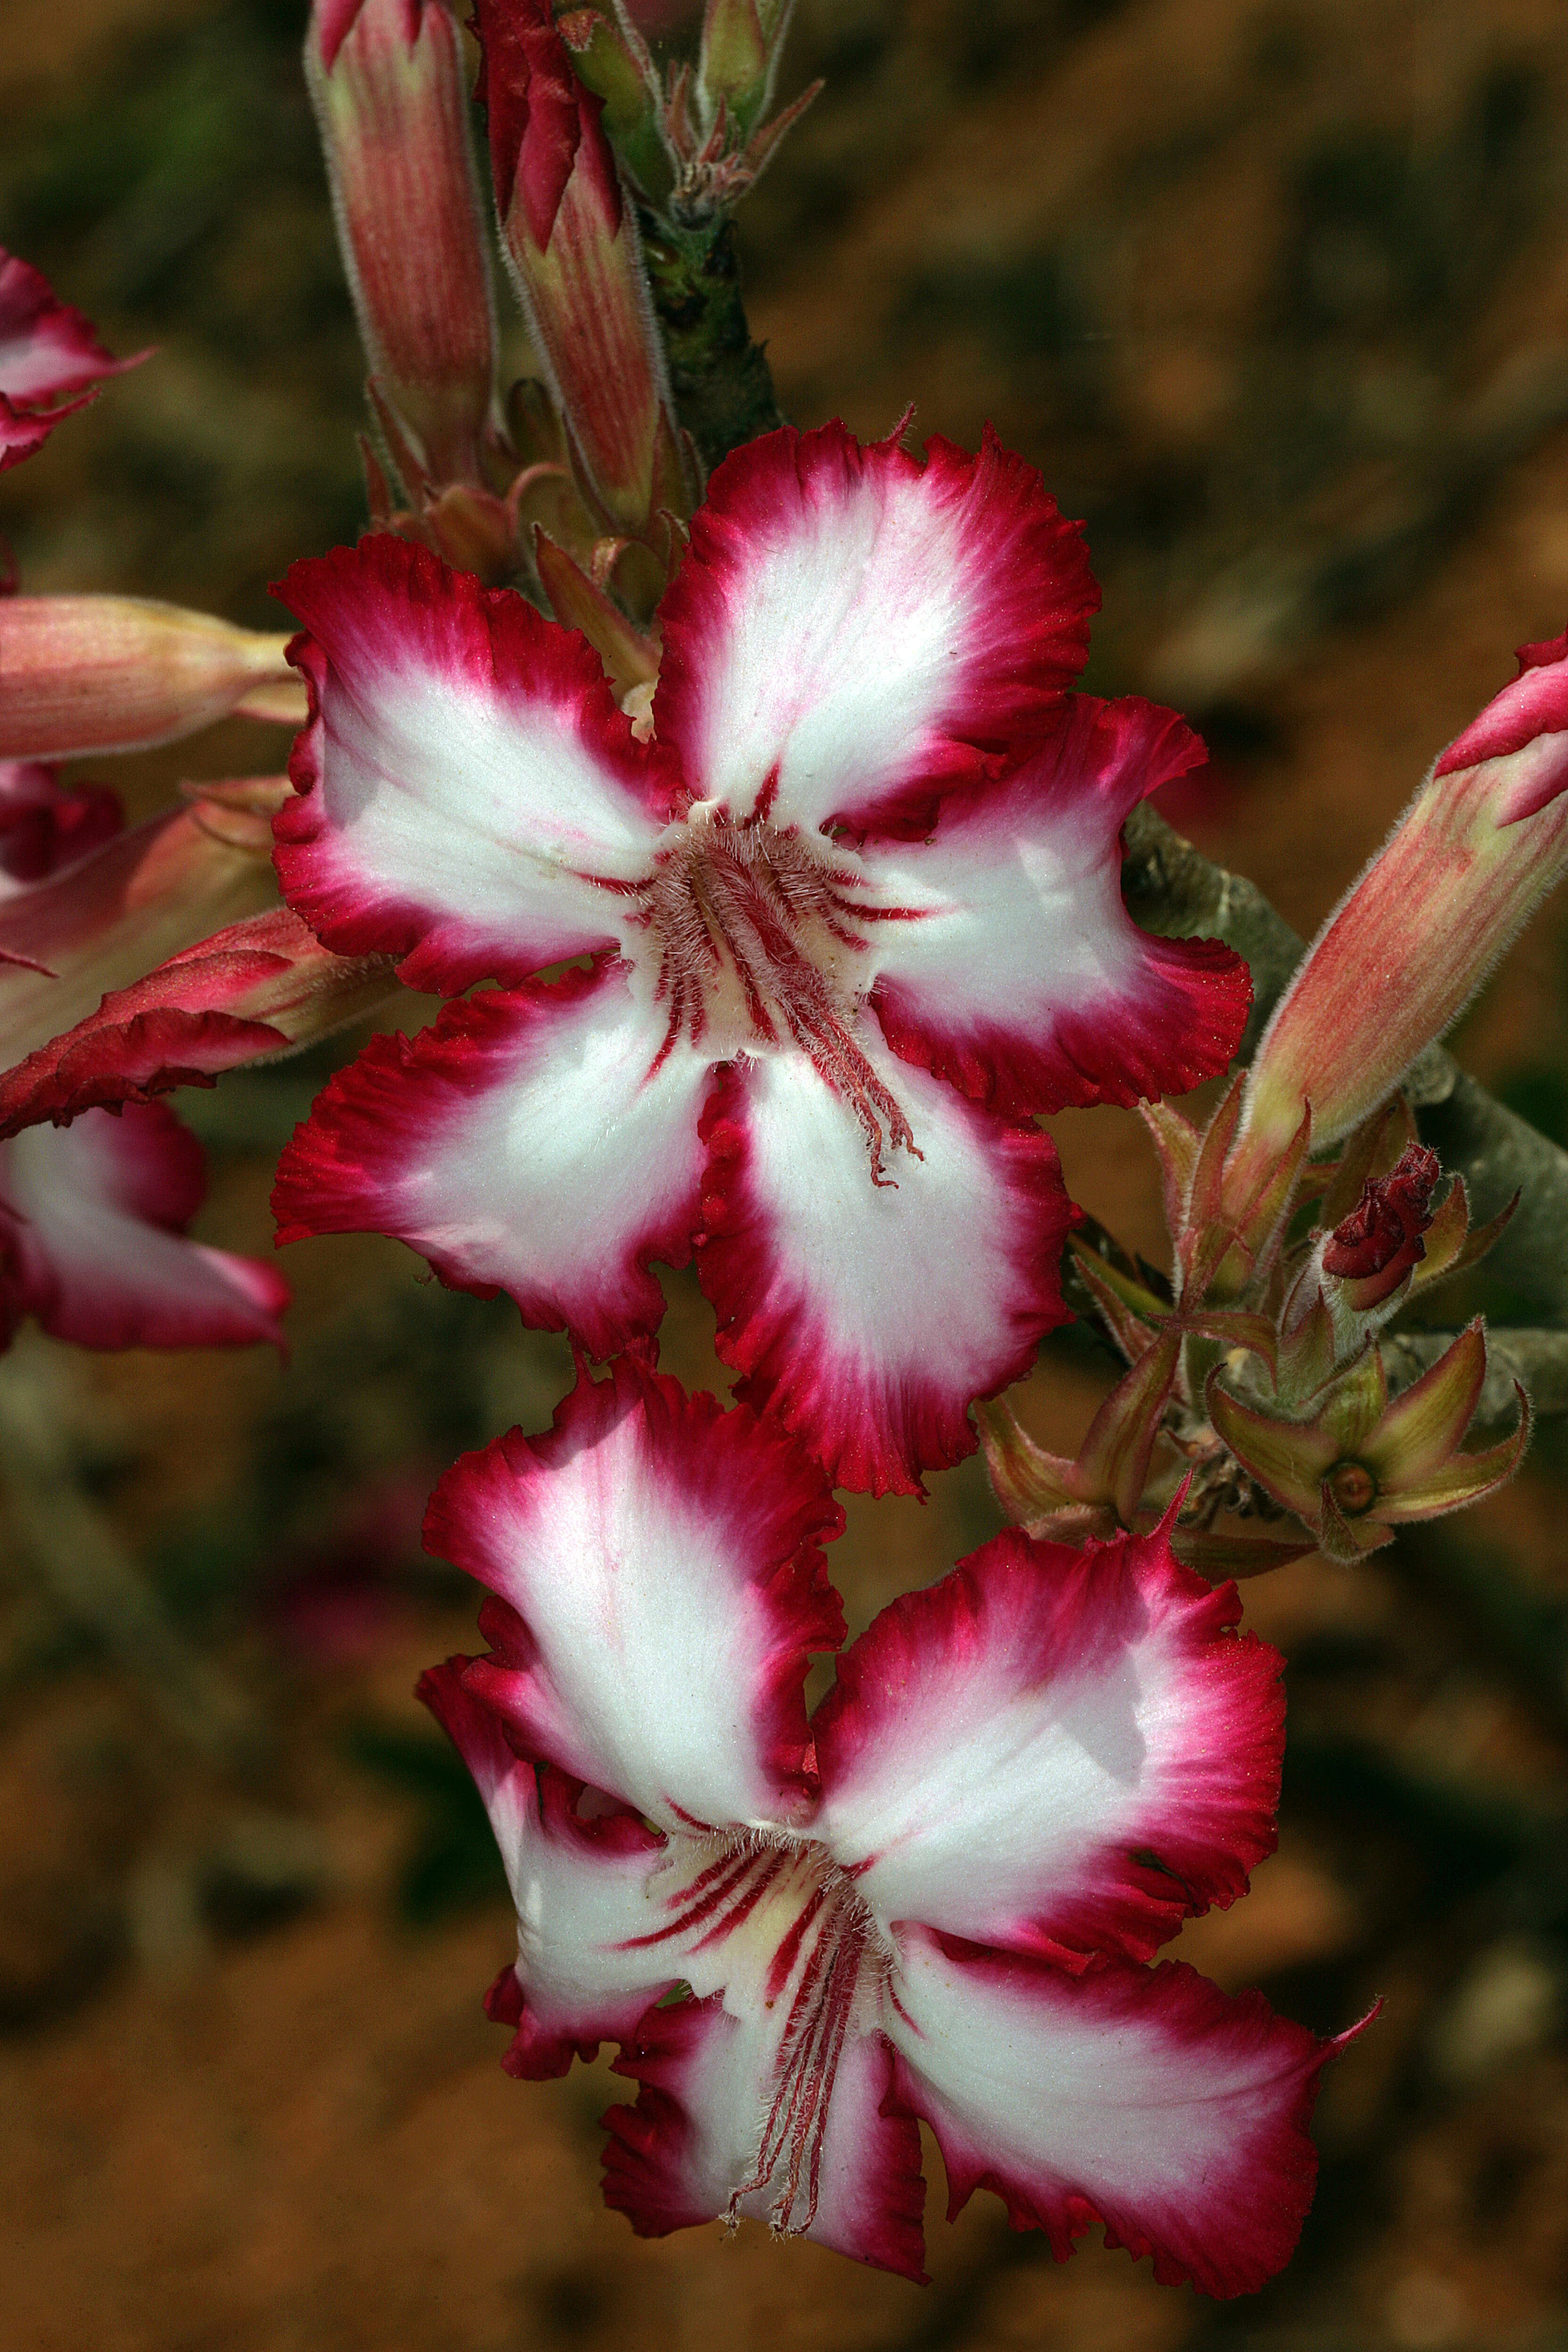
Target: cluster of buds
693,135
1255,1381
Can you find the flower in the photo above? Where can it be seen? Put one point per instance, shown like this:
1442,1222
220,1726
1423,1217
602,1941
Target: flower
1400,957
931,1901
853,916
93,1239
47,352
92,1215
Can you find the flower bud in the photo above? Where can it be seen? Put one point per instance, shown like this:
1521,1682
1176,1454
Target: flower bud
1480,845
250,993
576,259
741,45
122,673
388,83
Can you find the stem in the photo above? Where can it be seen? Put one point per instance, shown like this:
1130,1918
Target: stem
722,386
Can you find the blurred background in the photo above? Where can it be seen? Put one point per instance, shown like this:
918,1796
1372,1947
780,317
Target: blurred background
1275,293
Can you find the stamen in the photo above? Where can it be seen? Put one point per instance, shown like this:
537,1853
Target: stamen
754,928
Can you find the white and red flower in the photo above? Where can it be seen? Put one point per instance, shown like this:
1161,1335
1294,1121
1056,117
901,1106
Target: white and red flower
932,1901
93,1214
853,915
93,1240
48,353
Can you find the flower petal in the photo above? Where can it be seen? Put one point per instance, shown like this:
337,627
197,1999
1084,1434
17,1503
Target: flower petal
1054,1750
91,1241
1143,2098
104,920
847,624
46,350
530,1142
660,1580
254,990
468,787
1021,976
686,2148
868,1317
578,1886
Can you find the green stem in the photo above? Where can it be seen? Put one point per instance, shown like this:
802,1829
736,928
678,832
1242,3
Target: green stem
722,386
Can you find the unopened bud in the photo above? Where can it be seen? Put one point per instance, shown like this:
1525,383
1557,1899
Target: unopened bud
1480,845
388,81
576,260
120,673
741,45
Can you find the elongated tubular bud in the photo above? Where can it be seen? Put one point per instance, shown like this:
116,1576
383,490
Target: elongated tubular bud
1401,956
575,258
120,673
740,44
389,85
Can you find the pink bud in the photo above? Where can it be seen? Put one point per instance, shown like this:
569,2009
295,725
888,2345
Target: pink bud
389,86
250,993
120,673
576,259
1480,845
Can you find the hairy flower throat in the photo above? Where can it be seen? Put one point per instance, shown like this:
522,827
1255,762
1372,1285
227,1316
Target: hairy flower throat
794,1928
758,934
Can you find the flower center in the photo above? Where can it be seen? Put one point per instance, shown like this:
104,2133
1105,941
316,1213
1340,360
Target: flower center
802,1956
756,936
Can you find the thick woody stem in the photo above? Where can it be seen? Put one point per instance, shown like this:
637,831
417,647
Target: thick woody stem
723,387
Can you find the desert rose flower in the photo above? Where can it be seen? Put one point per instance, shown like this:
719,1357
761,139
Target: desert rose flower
853,913
93,1242
93,1214
48,353
930,1902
